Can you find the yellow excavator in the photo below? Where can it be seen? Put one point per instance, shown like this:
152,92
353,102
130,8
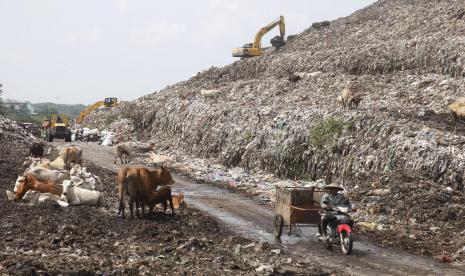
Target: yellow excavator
255,48
108,102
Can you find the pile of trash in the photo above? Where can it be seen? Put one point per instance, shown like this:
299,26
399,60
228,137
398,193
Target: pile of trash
260,119
114,120
15,132
105,138
88,135
15,143
278,113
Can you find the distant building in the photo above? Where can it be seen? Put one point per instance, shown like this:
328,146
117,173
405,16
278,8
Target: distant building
18,106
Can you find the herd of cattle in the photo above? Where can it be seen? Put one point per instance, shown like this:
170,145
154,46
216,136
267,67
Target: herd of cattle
67,182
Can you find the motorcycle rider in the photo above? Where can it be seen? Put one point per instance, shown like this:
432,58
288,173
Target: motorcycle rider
331,199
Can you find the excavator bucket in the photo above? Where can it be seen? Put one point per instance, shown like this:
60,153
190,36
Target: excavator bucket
277,42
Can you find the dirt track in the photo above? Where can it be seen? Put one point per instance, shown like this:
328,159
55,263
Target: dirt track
251,220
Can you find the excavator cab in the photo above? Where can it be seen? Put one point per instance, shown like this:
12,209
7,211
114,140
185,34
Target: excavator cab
111,102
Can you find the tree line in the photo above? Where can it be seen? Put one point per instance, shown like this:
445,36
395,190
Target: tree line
41,111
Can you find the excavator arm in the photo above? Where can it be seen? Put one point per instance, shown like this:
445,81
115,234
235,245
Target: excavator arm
88,110
108,102
263,31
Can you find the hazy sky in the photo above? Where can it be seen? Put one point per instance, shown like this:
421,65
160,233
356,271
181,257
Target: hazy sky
82,51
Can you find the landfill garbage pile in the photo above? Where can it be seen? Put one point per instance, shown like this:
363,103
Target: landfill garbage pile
278,113
414,213
111,119
84,134
15,143
87,134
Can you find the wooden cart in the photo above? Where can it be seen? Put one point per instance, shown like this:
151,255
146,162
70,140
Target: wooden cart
297,205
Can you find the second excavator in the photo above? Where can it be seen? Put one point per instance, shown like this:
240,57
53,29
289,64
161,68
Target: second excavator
255,48
108,102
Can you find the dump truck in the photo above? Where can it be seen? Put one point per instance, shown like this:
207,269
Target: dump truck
56,127
255,48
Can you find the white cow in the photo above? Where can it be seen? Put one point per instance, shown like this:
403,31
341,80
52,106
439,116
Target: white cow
78,196
90,183
30,162
36,197
57,164
81,178
43,174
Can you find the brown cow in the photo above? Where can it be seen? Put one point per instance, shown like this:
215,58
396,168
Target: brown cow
151,199
72,155
142,181
29,182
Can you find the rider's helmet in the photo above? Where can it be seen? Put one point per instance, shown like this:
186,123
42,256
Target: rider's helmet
334,186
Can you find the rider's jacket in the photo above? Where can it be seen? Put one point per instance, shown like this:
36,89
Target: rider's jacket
329,200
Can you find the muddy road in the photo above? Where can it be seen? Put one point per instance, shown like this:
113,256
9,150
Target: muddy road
252,220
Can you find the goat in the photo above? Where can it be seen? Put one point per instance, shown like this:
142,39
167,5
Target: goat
209,93
348,98
457,110
123,150
354,101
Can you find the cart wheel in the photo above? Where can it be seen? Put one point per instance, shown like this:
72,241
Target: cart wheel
278,227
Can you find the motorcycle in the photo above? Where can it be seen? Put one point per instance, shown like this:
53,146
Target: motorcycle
339,228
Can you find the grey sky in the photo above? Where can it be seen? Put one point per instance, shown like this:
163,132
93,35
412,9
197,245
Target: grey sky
83,51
